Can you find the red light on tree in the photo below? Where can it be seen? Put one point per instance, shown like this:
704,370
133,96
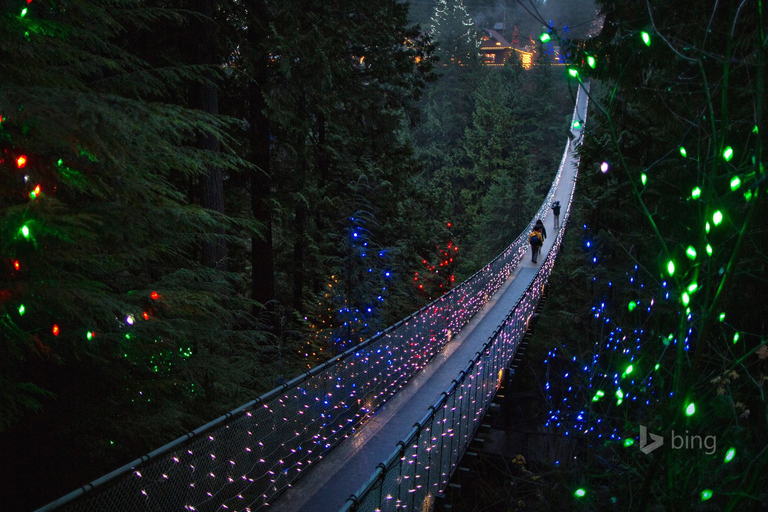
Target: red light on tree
145,315
37,190
16,264
21,161
55,330
154,295
448,224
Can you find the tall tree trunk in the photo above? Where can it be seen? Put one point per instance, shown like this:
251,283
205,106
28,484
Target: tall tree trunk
207,100
262,255
298,255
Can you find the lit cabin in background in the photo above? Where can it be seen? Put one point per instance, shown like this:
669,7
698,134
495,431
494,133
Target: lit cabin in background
496,50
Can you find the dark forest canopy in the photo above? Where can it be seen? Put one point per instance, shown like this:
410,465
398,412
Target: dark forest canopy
190,195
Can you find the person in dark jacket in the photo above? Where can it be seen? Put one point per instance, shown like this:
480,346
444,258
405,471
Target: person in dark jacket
540,226
556,211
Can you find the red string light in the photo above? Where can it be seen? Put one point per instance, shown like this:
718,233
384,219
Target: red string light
21,161
154,295
55,330
145,315
16,264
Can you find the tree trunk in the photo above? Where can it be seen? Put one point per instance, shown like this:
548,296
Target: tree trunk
262,256
207,99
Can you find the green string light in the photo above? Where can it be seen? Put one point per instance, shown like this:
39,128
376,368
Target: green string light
692,287
632,305
591,61
22,309
748,195
545,37
580,493
717,217
706,494
755,129
600,394
696,193
728,154
685,298
707,227
691,252
721,317
736,337
735,183
643,178
23,12
683,152
628,442
691,409
671,267
24,231
576,124
646,38
629,370
573,72
656,367
709,250
729,455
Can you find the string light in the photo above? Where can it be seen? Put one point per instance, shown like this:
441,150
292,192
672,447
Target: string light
591,61
55,330
690,409
646,38
604,167
545,37
683,152
671,267
706,494
729,455
728,154
21,161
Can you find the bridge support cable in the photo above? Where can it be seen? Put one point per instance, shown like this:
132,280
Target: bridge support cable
245,459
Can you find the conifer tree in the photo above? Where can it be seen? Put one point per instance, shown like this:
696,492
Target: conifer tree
109,322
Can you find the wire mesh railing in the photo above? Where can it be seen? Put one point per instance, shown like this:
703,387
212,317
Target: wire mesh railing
246,458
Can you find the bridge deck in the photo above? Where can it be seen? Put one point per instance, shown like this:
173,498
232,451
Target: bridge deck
327,486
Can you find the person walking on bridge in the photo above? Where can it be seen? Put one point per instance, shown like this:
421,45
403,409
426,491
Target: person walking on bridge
536,239
556,211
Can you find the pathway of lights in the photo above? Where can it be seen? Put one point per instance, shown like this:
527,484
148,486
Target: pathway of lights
423,463
247,457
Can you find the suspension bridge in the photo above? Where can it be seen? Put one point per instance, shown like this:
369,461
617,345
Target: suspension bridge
380,427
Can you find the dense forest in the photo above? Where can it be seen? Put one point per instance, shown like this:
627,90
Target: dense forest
200,200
